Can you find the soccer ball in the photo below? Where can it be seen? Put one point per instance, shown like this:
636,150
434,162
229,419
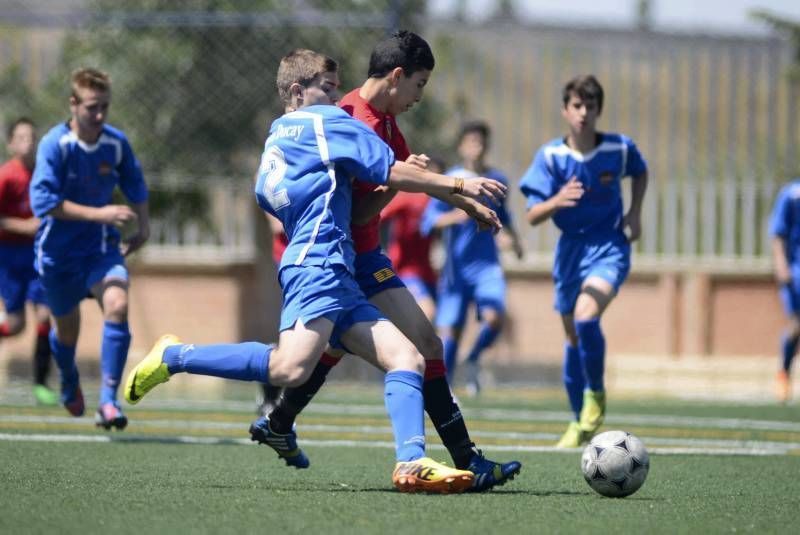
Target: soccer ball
615,464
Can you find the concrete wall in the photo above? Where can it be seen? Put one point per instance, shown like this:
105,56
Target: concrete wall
656,314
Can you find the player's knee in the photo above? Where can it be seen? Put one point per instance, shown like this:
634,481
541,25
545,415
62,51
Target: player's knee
15,323
289,375
407,357
495,320
116,309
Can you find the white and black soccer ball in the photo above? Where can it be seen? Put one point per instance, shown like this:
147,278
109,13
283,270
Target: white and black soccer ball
615,464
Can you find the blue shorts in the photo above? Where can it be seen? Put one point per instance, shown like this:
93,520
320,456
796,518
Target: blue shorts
65,289
487,290
374,273
19,281
580,257
311,292
419,288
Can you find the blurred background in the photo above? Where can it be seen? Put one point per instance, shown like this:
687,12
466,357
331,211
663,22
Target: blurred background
708,90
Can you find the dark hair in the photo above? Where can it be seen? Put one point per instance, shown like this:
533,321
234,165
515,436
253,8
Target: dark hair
13,126
586,87
403,49
475,127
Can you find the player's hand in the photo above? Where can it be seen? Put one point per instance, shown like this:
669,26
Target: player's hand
117,215
136,241
569,194
419,160
478,188
486,217
632,226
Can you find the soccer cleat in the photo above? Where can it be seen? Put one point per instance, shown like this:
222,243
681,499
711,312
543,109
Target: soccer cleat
426,475
45,396
574,437
72,398
489,474
783,386
593,411
109,415
285,445
150,372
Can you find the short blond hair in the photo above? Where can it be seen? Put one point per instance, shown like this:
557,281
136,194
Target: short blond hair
302,66
87,77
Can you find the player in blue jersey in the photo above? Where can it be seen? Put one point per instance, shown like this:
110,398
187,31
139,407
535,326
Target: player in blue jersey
785,231
310,158
577,181
472,272
78,247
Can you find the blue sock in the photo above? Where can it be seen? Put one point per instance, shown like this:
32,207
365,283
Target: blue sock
574,379
788,350
113,354
65,360
592,348
450,349
403,397
248,361
486,338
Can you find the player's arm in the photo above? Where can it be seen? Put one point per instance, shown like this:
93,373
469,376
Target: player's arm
18,225
118,215
142,233
373,203
633,219
514,241
567,197
783,275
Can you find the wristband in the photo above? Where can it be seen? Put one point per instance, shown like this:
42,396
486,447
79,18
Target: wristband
458,186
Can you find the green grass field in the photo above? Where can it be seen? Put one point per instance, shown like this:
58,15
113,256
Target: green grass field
186,466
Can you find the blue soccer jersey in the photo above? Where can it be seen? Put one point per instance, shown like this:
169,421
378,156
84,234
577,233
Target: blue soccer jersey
309,161
785,223
600,172
469,252
68,169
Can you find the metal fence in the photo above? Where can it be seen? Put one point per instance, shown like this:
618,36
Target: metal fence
715,117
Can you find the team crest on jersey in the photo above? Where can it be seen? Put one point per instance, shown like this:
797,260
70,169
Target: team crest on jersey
104,168
383,274
606,178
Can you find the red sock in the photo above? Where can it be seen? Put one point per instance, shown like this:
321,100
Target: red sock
329,360
434,369
43,329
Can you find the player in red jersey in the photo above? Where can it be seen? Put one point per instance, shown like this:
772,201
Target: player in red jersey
408,249
18,279
398,72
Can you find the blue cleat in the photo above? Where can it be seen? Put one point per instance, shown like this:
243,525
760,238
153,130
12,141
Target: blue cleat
489,474
284,445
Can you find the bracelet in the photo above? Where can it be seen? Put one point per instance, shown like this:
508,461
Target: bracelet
458,186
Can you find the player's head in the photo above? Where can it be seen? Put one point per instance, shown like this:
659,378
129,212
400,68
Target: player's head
21,139
405,61
473,141
582,98
306,77
89,101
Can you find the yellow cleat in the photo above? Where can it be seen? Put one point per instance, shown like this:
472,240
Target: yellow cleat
783,386
574,437
426,475
594,410
151,371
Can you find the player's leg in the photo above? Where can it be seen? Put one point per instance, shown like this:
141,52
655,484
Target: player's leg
64,292
12,292
42,356
108,283
574,383
489,294
789,341
451,314
383,343
423,293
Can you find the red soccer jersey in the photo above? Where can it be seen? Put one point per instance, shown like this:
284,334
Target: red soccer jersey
409,250
14,200
367,237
